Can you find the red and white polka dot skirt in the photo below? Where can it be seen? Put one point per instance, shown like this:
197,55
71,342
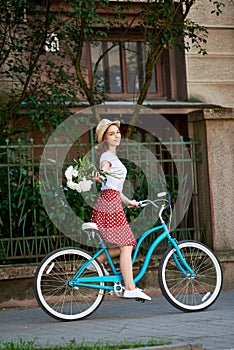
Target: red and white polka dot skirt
111,220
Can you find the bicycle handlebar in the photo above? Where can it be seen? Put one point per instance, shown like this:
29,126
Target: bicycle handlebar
145,202
167,200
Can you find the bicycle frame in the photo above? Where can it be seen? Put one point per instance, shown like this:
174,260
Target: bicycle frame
116,277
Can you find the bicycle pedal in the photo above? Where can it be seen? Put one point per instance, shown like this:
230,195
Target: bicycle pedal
140,300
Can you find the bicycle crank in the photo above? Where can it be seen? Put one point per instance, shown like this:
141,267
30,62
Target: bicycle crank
118,289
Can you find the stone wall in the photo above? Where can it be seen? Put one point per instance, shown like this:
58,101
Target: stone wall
214,129
16,281
210,78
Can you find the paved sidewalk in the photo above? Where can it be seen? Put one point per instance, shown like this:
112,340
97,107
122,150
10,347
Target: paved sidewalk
118,319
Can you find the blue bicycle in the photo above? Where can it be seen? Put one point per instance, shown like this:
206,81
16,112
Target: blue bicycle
70,284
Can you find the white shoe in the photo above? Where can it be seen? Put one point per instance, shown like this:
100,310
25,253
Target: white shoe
91,267
136,293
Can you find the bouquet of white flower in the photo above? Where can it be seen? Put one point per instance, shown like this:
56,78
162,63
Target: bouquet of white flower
82,174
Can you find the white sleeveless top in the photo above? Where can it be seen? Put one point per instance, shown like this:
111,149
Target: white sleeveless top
117,168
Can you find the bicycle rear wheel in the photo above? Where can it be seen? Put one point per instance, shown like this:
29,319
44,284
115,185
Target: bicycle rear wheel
185,292
52,291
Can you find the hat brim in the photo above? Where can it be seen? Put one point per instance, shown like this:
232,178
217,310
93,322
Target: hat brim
104,128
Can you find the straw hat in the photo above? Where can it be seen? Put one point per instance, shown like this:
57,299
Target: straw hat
102,126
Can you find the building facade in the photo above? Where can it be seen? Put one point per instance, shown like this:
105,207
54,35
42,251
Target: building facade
210,78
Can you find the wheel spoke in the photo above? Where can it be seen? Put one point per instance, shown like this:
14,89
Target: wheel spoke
191,293
54,294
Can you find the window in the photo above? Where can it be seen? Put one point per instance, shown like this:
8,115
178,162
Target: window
136,55
108,72
121,68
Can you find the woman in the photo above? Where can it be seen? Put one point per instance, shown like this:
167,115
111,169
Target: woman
108,212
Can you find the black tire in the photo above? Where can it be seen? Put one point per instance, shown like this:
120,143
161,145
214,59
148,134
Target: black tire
191,293
52,291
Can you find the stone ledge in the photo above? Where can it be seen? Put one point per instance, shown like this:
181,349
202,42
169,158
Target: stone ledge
217,113
173,347
22,271
16,281
227,256
9,272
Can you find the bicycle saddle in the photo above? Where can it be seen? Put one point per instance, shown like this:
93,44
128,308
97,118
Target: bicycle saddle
89,226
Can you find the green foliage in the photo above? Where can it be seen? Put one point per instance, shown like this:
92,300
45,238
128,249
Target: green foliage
44,85
18,345
23,35
22,206
25,208
47,81
73,345
23,213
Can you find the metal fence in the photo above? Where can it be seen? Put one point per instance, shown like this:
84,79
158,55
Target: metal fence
27,233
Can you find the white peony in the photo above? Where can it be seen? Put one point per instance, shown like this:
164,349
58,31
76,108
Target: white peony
69,172
73,186
75,173
85,185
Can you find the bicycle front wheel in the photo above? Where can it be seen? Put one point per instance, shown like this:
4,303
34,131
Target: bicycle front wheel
185,292
53,292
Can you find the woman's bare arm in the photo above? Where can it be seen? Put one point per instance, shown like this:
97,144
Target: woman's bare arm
132,203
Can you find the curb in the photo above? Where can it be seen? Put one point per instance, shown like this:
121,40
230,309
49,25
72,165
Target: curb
173,347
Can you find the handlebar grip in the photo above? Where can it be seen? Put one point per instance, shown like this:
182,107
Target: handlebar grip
161,194
142,204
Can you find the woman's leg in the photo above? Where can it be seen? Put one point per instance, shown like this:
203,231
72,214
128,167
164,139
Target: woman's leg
126,266
115,251
127,272
125,253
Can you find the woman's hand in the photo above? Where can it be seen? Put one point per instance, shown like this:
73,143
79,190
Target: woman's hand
133,204
96,177
130,203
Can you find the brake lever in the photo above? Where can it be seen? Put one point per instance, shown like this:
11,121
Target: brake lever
142,204
163,194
